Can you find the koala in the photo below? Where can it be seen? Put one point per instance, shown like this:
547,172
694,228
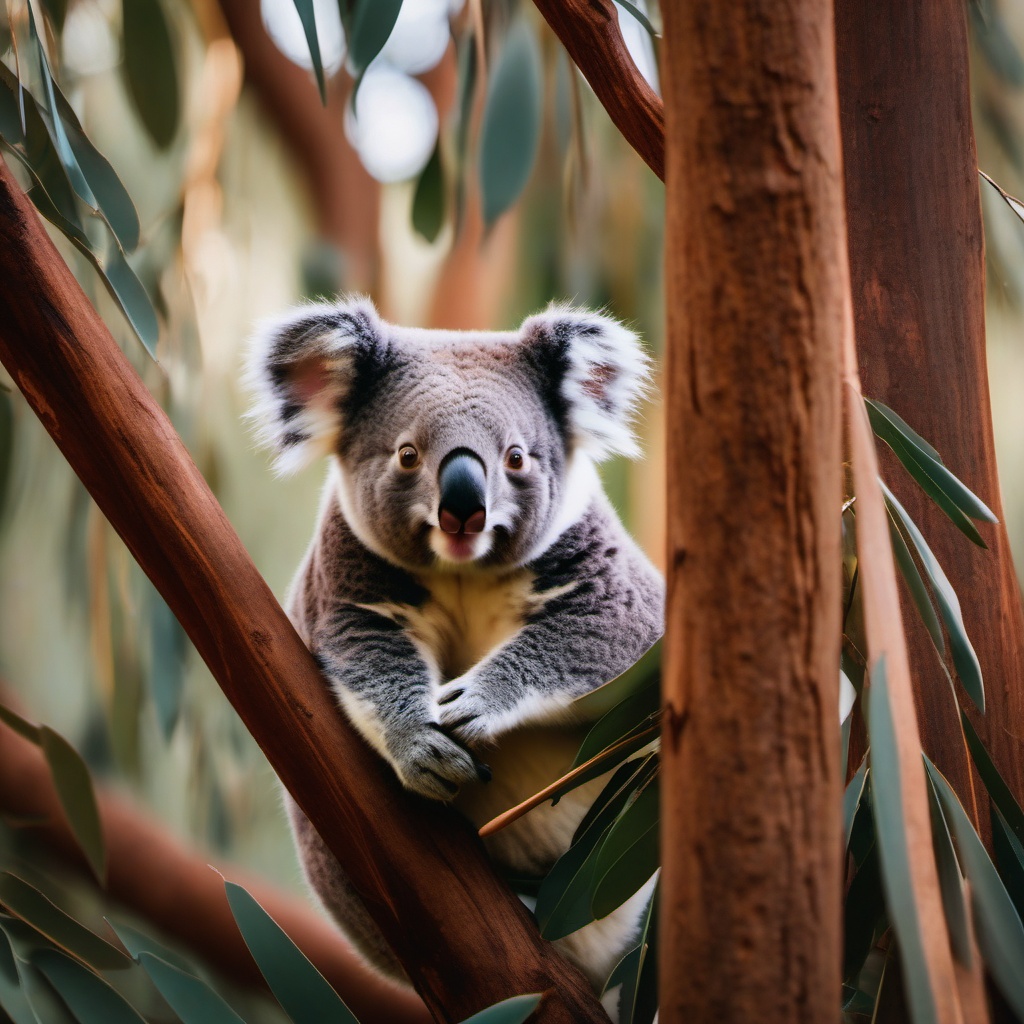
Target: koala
468,577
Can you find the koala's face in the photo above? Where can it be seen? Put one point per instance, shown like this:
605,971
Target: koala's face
455,449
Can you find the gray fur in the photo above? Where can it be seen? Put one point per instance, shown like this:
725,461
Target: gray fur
448,651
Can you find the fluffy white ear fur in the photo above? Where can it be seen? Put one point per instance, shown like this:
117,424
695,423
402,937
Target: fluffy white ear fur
605,375
299,368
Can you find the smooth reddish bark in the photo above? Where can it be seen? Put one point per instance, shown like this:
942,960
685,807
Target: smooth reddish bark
917,262
757,289
462,936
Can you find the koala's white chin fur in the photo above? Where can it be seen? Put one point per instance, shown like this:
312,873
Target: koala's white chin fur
460,549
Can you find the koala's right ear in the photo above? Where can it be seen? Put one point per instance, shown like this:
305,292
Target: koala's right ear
301,368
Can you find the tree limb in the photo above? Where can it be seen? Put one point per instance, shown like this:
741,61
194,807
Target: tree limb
589,30
151,872
463,938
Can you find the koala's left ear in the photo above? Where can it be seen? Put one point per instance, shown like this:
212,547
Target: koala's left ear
601,371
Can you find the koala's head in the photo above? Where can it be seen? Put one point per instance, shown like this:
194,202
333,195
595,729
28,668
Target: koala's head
454,448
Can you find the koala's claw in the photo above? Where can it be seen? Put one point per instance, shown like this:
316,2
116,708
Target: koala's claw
465,714
431,763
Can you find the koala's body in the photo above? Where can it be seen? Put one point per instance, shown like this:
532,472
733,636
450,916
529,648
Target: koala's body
468,578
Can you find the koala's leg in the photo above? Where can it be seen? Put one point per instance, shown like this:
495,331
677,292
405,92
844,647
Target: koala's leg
338,897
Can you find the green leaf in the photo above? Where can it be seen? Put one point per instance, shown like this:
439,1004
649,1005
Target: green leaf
956,500
864,909
307,16
372,22
168,647
511,122
137,943
508,1011
608,759
954,904
565,896
878,412
637,972
151,70
75,792
302,991
964,659
1010,858
918,591
55,125
998,790
635,713
13,1000
997,924
87,995
855,789
188,996
629,855
31,906
646,672
126,289
429,201
893,851
639,15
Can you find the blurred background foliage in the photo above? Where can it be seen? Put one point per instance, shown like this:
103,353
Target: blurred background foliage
470,179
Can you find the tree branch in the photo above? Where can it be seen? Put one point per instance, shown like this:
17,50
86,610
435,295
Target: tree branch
589,30
174,888
463,938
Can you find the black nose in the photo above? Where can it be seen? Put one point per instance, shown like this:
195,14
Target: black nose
463,484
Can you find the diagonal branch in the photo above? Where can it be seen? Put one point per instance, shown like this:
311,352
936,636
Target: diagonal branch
463,938
589,30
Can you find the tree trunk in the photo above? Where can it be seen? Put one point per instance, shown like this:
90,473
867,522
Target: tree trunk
463,938
757,286
918,278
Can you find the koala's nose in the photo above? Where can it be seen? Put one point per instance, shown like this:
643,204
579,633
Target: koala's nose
462,481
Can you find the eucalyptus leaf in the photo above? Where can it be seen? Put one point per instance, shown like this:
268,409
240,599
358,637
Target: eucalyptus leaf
997,924
1010,859
954,904
428,201
87,995
864,909
916,585
852,797
372,22
998,790
29,905
639,15
150,68
303,992
893,849
508,1011
307,15
629,855
137,943
634,713
78,799
638,971
190,997
511,123
878,412
13,1000
54,124
964,659
125,287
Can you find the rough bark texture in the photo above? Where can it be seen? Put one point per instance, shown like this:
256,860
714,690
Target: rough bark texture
461,935
757,286
174,888
589,30
917,267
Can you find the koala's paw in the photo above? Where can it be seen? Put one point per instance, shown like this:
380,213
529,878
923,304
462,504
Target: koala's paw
431,763
467,712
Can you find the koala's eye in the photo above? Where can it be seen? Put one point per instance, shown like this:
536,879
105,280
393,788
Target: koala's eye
515,458
408,457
